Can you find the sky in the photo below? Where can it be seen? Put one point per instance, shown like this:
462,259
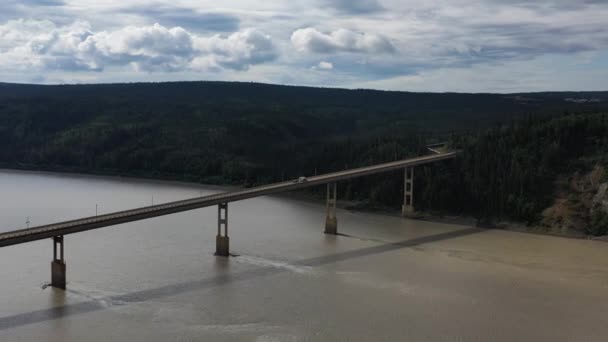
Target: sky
431,45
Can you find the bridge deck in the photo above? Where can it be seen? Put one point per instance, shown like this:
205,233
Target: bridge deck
94,222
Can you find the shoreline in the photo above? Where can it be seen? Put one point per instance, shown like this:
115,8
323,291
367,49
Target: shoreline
349,205
117,177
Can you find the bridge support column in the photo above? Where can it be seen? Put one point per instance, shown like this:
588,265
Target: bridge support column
222,242
407,210
331,222
58,265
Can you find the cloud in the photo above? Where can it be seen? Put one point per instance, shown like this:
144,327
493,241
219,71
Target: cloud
41,44
149,48
479,42
39,2
546,73
325,65
9,9
188,18
544,5
354,6
238,51
341,40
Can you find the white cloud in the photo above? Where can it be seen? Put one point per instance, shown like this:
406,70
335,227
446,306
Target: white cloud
145,48
238,51
341,40
42,44
325,65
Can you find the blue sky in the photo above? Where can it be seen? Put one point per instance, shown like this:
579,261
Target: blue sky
433,45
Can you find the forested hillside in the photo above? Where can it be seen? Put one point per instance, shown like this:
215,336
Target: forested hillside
512,171
514,146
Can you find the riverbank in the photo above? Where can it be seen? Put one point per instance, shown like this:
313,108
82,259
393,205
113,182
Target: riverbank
469,221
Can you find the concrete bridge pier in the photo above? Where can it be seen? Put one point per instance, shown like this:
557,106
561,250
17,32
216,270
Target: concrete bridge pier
222,242
331,222
407,210
58,265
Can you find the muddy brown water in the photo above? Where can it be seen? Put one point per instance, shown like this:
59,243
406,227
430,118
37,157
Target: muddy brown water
385,279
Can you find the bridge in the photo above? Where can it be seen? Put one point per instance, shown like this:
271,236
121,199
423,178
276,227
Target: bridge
57,231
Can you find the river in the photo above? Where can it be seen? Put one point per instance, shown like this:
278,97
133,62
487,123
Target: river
385,279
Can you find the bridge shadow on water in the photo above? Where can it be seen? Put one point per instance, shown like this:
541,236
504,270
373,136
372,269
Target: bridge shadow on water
62,311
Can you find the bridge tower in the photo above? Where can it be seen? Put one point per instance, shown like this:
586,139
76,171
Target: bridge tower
58,265
222,241
331,222
407,210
